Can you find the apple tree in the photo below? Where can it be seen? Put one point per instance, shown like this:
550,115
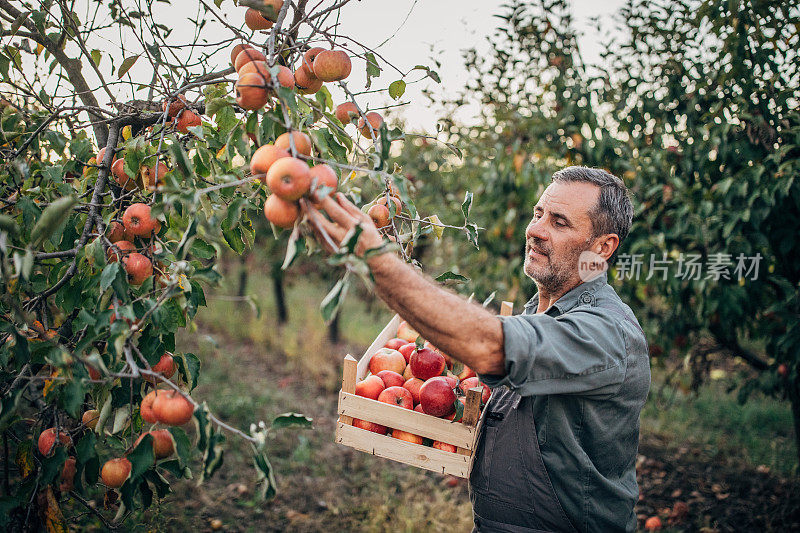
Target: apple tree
126,173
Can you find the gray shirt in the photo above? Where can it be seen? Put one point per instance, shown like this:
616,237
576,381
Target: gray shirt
585,361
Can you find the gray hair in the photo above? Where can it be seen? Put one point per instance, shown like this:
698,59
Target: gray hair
614,210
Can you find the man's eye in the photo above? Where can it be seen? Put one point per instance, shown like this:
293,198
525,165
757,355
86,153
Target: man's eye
560,224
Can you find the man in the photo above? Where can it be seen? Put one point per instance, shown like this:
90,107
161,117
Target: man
569,376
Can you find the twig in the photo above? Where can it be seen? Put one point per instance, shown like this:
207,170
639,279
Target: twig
97,513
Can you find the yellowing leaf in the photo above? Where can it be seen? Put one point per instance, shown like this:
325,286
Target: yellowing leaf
53,518
352,175
127,132
50,383
24,458
39,49
438,230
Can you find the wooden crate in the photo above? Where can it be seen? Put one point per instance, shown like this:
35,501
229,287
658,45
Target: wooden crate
462,434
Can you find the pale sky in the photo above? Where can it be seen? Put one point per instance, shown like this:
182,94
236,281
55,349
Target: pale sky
418,30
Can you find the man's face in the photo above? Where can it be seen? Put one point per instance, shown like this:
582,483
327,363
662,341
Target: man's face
558,232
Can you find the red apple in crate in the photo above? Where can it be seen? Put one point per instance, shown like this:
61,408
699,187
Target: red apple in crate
471,383
395,343
448,361
418,408
413,385
426,364
407,374
444,446
370,387
405,331
369,426
437,397
466,373
407,349
452,380
391,379
405,435
397,396
387,359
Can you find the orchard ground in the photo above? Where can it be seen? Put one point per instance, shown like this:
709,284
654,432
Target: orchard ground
733,466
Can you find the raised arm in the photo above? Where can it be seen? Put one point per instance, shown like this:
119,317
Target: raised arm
463,330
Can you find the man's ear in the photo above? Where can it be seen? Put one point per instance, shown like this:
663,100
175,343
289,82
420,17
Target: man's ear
606,244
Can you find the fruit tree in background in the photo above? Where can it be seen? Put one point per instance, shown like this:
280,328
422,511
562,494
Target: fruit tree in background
118,191
695,108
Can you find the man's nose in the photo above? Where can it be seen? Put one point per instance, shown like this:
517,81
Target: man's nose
535,229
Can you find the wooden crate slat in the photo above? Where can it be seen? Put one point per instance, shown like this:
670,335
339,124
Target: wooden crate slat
388,333
402,451
395,417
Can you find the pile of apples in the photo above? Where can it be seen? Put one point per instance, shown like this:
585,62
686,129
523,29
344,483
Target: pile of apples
416,378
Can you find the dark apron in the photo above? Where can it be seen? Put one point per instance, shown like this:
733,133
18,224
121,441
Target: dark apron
510,489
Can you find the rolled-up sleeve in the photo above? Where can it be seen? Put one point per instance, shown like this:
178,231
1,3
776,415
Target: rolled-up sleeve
580,352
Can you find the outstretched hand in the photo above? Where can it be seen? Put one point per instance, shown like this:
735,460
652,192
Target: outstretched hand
344,217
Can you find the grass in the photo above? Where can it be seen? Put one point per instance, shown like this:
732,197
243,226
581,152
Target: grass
758,432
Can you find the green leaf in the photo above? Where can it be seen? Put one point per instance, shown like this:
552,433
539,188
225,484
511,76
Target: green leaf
452,276
202,250
213,456
324,98
397,88
9,225
286,420
429,73
467,204
268,487
190,369
292,248
183,446
51,466
373,69
141,457
330,304
126,65
186,240
71,397
97,55
109,275
53,216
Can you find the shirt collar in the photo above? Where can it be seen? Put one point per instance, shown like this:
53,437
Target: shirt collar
571,298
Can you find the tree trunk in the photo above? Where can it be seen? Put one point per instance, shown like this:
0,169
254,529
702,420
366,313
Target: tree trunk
794,397
280,296
243,273
333,329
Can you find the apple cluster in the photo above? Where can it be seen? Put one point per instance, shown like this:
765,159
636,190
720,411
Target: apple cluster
137,225
283,165
169,407
414,374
